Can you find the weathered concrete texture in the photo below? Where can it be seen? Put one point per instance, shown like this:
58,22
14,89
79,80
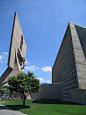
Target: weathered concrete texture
78,96
70,64
17,52
64,67
8,73
79,44
49,91
15,44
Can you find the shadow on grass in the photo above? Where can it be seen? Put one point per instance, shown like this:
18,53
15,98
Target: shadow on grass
18,107
49,101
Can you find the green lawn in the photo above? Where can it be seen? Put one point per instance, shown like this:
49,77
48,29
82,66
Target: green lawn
46,107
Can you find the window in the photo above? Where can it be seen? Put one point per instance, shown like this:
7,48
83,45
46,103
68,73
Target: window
21,43
20,61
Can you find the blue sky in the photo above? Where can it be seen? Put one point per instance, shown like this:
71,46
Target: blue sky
43,23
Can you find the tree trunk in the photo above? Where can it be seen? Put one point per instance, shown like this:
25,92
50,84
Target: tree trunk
11,93
24,103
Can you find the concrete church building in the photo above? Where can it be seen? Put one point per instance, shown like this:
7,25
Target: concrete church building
69,68
16,61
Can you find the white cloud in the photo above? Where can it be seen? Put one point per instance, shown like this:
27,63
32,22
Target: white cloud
46,68
32,68
43,80
1,58
27,62
37,67
5,53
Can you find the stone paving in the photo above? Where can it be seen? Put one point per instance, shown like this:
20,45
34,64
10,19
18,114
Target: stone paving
4,110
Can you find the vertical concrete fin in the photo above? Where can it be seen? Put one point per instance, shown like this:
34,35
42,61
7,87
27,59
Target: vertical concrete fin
76,34
15,43
11,42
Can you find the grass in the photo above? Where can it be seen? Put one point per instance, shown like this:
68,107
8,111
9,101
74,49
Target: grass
46,107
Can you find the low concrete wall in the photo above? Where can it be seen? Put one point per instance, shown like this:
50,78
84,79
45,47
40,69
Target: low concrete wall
78,96
49,91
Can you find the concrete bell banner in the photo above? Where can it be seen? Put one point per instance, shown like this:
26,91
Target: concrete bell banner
17,52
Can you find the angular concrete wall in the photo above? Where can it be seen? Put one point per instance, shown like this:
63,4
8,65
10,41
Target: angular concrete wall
15,43
70,64
16,58
78,34
49,91
64,69
78,96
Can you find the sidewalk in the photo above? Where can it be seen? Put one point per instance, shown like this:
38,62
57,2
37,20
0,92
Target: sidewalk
4,110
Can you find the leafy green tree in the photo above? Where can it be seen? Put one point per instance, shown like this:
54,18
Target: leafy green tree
5,90
2,91
24,84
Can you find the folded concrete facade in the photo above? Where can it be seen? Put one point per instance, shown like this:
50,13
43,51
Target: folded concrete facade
17,52
70,64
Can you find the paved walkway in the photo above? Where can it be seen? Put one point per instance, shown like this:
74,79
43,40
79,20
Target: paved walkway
4,110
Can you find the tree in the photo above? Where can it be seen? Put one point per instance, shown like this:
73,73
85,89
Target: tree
4,90
24,84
